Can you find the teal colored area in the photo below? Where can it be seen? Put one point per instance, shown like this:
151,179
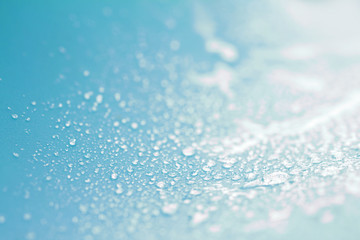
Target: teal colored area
176,120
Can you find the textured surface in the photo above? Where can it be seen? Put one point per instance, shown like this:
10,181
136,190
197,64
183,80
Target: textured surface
176,120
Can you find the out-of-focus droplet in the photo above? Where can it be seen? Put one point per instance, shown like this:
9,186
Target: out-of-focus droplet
134,125
88,95
169,208
188,151
117,96
119,189
2,219
27,216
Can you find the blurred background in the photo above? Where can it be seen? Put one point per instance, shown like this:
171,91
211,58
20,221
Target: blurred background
179,119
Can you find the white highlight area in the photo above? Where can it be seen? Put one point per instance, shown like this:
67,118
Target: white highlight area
221,76
300,51
205,27
301,81
227,51
292,127
331,25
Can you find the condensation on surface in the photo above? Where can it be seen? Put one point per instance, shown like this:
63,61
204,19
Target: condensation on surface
258,137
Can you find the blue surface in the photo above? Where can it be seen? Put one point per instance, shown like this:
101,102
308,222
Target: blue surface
177,120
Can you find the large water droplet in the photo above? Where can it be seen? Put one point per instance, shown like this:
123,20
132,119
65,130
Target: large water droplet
275,178
188,151
169,208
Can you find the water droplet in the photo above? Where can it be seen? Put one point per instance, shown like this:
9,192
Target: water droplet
96,230
160,184
275,178
195,192
99,98
169,208
62,49
83,208
114,176
27,216
327,217
174,45
199,217
72,141
119,189
117,96
88,95
134,125
75,219
14,116
188,151
331,170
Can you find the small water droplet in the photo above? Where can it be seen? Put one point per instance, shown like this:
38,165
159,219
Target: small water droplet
87,95
174,45
117,96
72,141
114,176
119,189
160,184
99,98
27,216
